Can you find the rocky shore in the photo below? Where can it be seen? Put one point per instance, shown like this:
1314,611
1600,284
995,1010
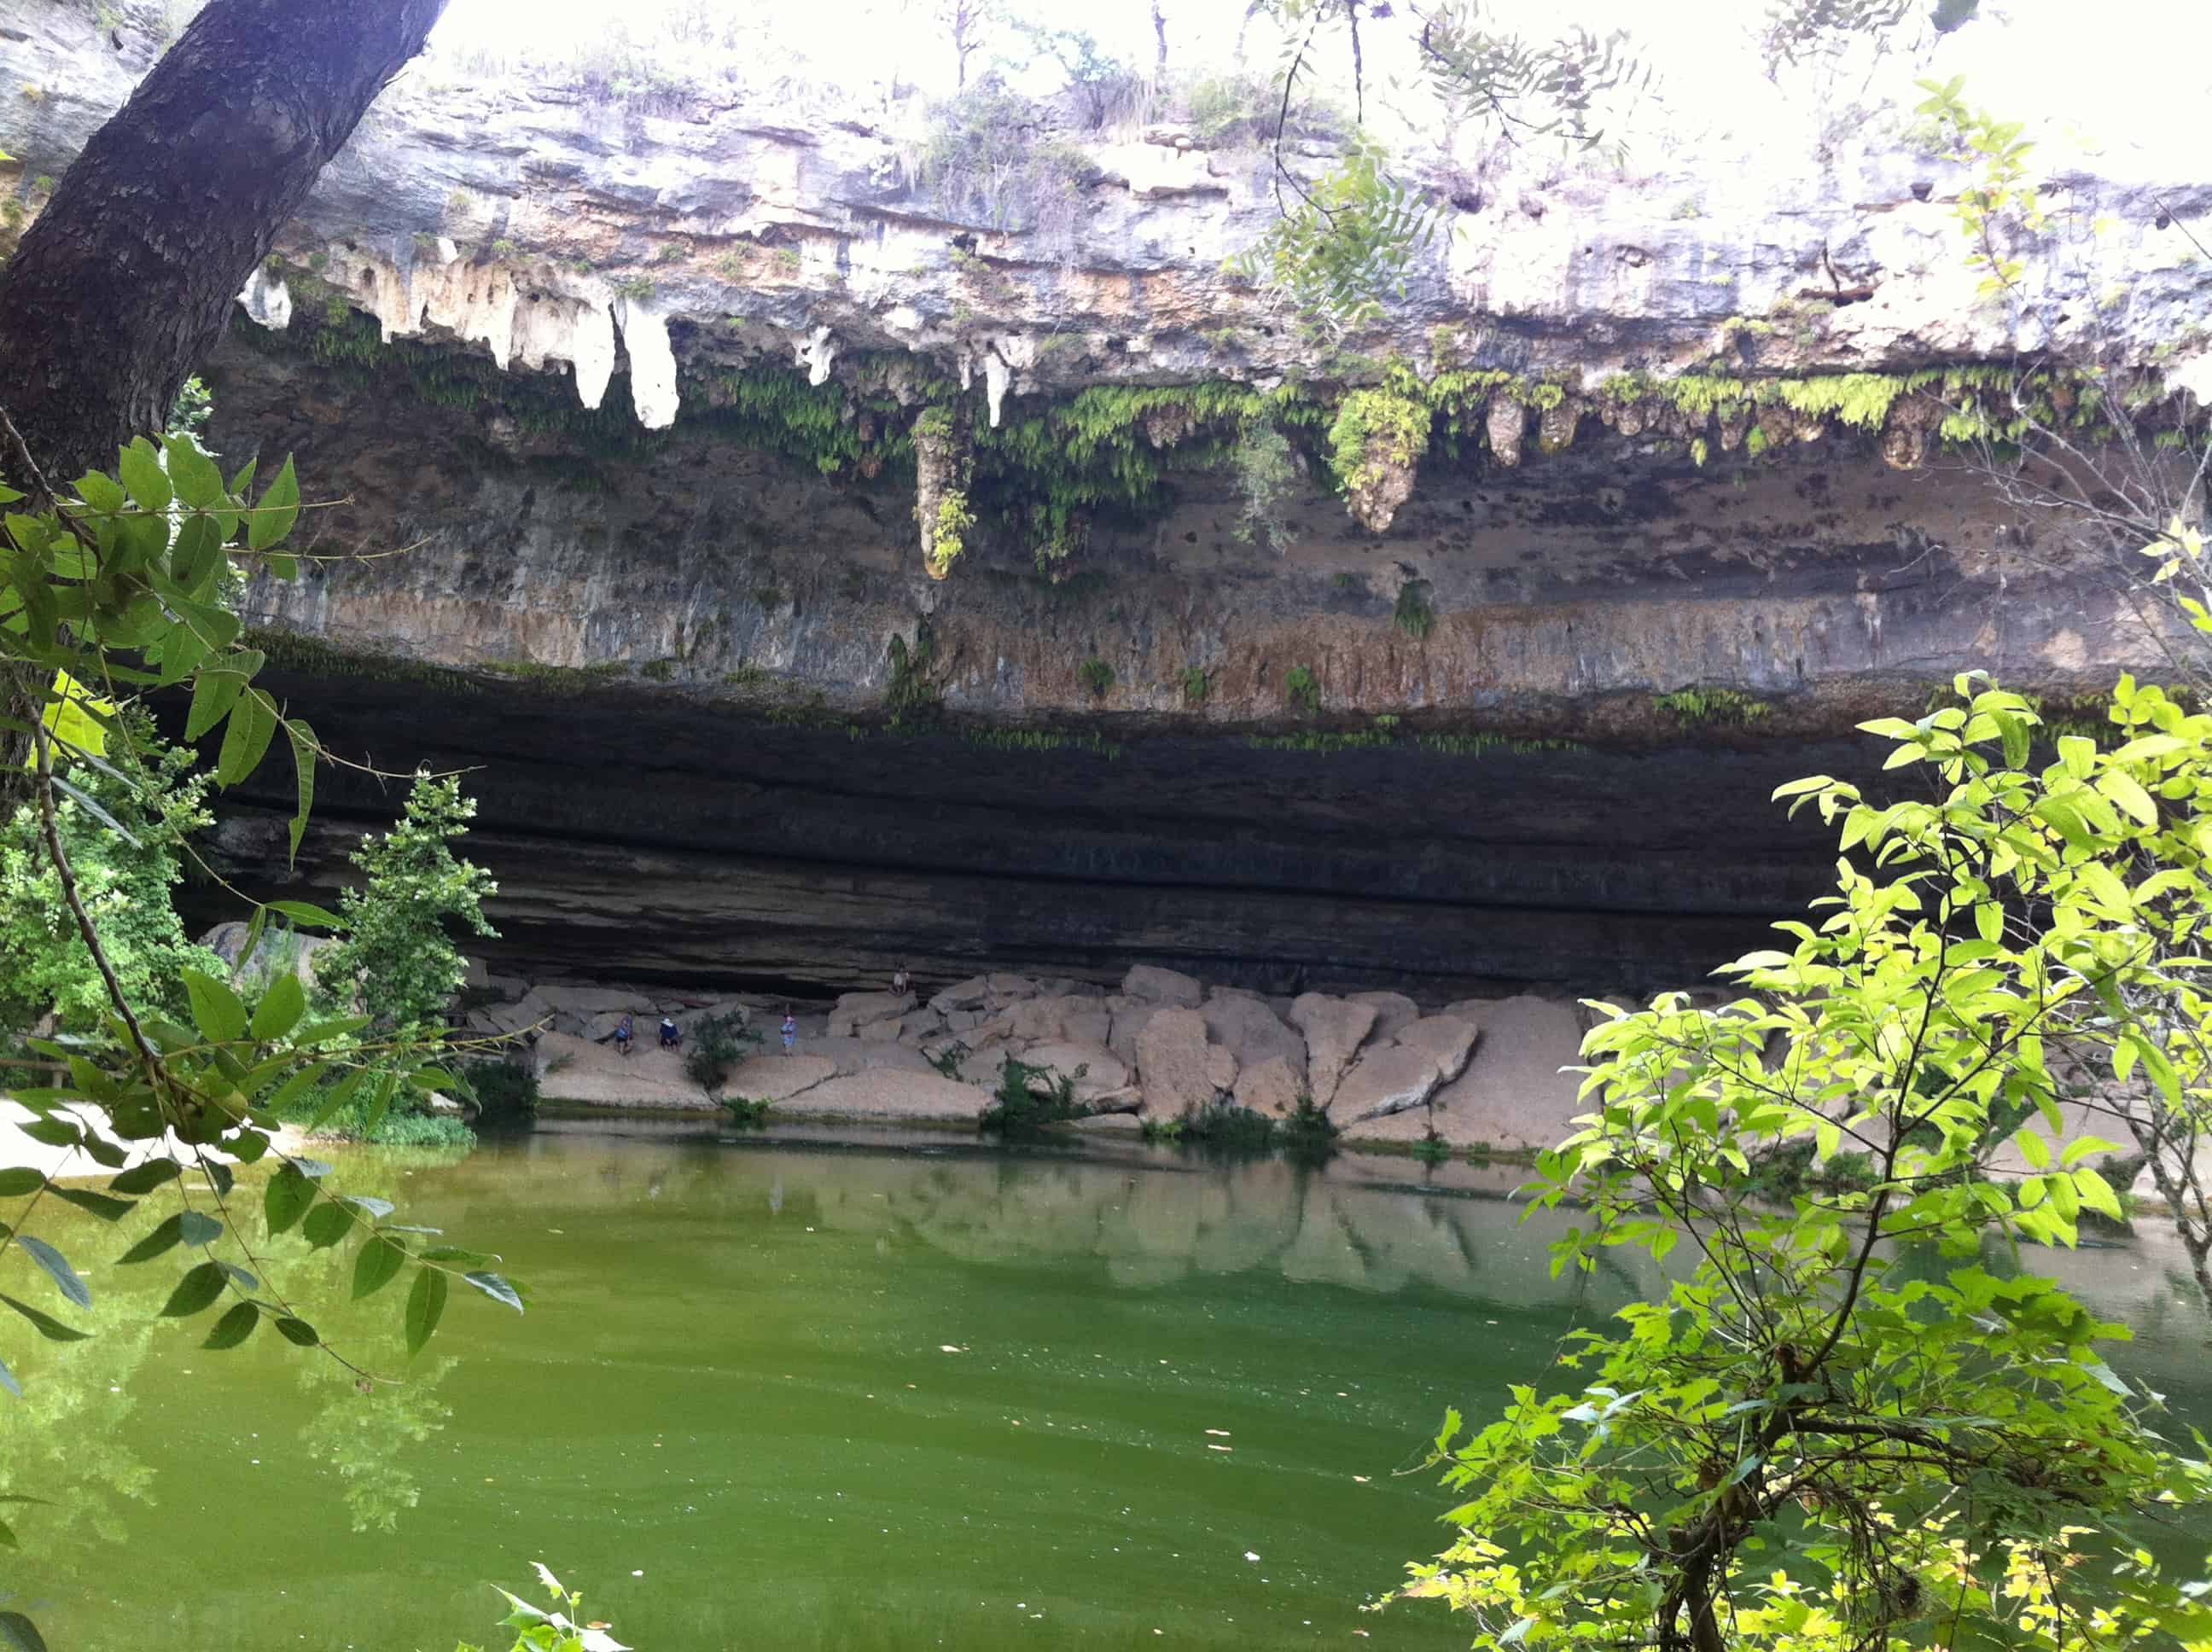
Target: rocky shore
1476,1072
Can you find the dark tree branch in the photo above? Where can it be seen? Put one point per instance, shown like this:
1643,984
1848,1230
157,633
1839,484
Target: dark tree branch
126,278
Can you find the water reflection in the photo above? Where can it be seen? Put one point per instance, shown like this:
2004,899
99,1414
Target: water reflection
363,1433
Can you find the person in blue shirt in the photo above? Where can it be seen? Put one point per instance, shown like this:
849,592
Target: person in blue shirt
625,1032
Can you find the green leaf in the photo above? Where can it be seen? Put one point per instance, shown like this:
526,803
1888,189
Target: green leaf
106,1208
376,1265
380,1102
197,1290
2121,789
235,1325
144,1178
252,725
58,1269
2097,1194
278,509
143,475
166,1235
2034,1150
298,1332
497,1288
338,1095
426,1303
280,1009
302,739
286,1198
15,1183
327,1223
199,482
46,1326
215,690
291,1089
21,1633
315,917
196,1228
217,1011
96,488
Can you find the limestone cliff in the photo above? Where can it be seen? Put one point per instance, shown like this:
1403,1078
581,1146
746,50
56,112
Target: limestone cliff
665,401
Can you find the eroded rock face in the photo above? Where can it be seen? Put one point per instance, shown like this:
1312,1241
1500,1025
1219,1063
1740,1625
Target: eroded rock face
666,580
1334,1029
464,203
1181,1072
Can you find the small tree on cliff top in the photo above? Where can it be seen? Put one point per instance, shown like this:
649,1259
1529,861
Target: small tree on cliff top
1843,1424
396,955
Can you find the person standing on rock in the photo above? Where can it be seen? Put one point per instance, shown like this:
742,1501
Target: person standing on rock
625,1032
790,1030
899,981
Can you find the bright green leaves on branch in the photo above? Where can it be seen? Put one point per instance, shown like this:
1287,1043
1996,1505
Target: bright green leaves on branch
1346,245
1833,1406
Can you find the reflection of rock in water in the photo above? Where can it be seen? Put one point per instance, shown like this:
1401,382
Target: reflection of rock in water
1151,1227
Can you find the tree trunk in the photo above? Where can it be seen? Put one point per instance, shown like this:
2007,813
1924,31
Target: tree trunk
124,281
1159,34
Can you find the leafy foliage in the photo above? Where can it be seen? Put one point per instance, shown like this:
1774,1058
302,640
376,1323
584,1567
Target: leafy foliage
1266,470
1095,676
1556,89
1103,85
1839,1393
912,697
560,1628
396,959
1415,615
752,1113
718,1042
1028,1099
124,582
1797,30
989,156
2001,200
1347,245
1694,707
125,831
1302,689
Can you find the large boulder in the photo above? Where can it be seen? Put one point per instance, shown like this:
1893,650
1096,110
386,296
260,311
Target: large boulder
1243,1023
529,1012
1157,986
1388,1080
1005,988
777,1077
968,995
862,1055
1335,1029
1179,1069
1093,1066
1392,1012
1449,1039
855,1011
1128,1018
1061,1015
1512,1094
889,1093
1272,1087
581,1002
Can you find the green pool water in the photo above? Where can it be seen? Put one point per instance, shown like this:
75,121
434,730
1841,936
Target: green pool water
792,1395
